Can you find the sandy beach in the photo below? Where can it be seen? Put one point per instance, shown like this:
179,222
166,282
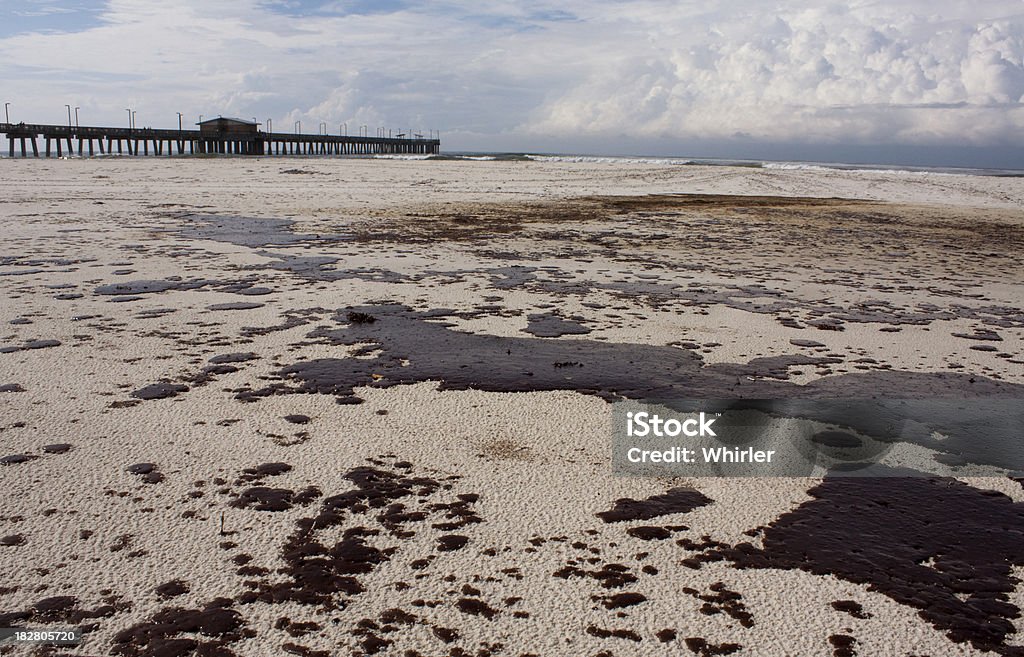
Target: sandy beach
352,407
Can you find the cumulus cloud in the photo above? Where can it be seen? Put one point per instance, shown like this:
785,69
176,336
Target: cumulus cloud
834,72
906,71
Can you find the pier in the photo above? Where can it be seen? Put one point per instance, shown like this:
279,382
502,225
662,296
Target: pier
215,136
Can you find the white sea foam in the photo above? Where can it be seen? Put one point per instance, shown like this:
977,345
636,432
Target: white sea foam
608,159
800,166
401,157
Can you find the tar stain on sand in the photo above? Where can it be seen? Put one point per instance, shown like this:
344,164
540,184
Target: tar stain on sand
148,472
316,572
676,500
161,390
937,545
207,631
551,325
404,346
323,563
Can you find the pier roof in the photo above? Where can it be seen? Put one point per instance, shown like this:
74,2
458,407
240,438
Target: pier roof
229,119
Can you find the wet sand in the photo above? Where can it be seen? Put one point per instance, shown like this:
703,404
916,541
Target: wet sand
344,407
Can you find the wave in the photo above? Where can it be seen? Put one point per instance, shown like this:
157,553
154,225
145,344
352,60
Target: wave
608,159
892,170
401,157
799,166
456,157
783,166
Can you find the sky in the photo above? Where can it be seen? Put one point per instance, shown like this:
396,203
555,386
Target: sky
936,82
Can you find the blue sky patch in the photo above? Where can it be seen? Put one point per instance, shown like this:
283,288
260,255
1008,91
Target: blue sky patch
48,16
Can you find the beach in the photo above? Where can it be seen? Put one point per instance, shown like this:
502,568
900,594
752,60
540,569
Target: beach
264,406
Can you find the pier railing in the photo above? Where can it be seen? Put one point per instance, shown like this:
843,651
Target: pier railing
138,141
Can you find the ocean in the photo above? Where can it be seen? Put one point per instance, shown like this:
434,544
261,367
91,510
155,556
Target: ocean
688,161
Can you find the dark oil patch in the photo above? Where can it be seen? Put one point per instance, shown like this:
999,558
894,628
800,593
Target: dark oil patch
373,643
263,498
241,357
355,317
65,609
172,589
610,575
980,334
149,472
649,533
132,289
213,628
700,646
237,305
303,651
405,347
58,448
159,391
296,629
323,574
12,387
445,634
259,472
476,607
151,286
722,600
937,545
15,459
30,345
620,600
247,231
297,418
666,635
675,500
851,607
552,325
12,541
843,645
451,542
602,633
398,616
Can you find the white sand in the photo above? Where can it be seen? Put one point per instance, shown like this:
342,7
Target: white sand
538,460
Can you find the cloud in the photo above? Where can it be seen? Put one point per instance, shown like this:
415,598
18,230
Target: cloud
834,72
924,72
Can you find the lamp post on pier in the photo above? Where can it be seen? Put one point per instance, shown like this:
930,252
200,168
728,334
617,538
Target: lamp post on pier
298,127
181,142
76,117
344,127
7,113
127,109
69,116
270,126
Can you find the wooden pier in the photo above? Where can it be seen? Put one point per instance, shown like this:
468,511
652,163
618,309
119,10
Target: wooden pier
46,140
